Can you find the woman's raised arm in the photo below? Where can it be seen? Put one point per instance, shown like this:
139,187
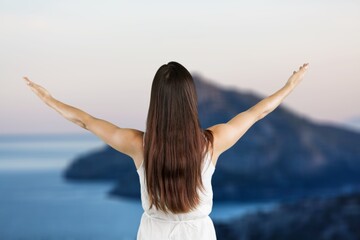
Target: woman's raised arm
227,134
124,140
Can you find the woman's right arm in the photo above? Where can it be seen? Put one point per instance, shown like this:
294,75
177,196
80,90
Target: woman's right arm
227,134
124,140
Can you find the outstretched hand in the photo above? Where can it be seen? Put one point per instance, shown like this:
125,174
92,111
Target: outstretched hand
42,93
297,76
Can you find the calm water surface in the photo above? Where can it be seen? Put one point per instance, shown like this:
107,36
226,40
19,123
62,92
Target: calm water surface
37,203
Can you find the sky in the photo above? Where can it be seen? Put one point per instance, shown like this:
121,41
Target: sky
101,56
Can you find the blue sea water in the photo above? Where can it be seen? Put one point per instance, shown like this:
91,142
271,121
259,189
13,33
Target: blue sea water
37,203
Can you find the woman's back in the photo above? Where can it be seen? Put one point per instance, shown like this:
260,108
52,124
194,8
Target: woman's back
196,224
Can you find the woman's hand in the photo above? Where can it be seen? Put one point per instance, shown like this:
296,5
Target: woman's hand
297,76
39,90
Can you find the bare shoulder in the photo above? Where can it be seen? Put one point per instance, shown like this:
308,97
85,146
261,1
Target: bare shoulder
138,153
137,138
214,149
225,136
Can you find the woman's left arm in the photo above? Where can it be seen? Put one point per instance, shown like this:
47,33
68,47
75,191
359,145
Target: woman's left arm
124,140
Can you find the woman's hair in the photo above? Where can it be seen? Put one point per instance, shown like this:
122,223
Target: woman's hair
175,144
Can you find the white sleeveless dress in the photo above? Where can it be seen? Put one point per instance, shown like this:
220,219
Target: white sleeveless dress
195,225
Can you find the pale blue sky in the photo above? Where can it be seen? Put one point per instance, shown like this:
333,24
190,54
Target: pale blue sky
101,56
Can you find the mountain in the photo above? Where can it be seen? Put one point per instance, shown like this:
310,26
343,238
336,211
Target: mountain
314,218
283,156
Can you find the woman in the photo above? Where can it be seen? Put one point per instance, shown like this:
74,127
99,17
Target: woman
175,159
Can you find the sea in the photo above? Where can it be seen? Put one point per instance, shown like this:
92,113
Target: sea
37,203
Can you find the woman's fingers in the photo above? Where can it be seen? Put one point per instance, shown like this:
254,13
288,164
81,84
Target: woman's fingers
28,82
37,89
304,66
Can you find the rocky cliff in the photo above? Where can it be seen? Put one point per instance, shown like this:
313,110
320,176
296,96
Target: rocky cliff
313,218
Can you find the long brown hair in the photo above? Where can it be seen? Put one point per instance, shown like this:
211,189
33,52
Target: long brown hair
175,144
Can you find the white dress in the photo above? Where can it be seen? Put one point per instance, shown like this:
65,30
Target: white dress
194,225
